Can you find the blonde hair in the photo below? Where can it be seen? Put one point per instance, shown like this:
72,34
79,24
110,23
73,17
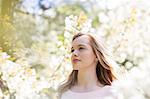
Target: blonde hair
104,70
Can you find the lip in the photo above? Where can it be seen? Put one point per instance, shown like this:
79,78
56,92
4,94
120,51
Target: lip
75,60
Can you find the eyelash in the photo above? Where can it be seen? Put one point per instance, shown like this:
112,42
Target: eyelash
79,49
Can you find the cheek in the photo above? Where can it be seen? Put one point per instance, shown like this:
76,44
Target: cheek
71,56
90,56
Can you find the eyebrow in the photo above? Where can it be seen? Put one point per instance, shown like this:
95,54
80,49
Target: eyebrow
80,45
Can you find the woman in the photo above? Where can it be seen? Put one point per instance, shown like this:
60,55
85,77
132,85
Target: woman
92,73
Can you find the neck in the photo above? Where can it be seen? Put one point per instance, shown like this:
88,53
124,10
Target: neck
87,79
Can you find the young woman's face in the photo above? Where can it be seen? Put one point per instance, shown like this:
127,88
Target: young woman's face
82,53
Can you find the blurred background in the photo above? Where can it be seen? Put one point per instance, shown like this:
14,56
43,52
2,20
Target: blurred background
35,46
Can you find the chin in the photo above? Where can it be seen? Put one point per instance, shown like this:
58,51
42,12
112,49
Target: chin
75,68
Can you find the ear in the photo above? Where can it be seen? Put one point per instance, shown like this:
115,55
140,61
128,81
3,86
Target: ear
96,59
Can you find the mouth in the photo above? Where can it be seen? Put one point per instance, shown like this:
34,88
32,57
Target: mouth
75,60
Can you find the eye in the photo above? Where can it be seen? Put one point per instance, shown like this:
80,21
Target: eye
72,50
81,48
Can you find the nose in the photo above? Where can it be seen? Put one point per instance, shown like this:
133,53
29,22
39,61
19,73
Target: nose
75,53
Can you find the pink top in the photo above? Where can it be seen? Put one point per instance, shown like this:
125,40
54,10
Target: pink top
106,92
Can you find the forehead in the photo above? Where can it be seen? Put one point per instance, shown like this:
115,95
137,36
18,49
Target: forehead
82,40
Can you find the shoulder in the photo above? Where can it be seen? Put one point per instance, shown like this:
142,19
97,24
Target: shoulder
110,91
65,95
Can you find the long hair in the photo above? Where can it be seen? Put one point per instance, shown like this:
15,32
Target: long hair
104,70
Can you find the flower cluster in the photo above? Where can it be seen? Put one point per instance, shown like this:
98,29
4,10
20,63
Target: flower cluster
75,24
20,81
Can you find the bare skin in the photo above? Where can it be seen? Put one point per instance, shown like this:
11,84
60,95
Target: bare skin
85,61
